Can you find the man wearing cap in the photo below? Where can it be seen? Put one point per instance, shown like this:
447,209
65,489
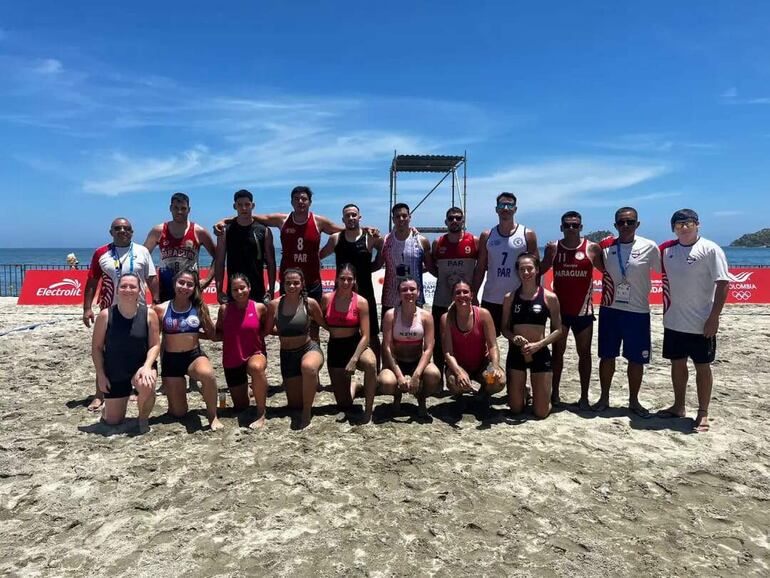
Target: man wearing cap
624,316
695,287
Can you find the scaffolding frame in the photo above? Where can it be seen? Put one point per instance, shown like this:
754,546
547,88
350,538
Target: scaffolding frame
446,164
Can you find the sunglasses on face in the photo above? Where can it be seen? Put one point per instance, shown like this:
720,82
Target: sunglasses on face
509,206
457,218
625,222
122,228
570,225
681,224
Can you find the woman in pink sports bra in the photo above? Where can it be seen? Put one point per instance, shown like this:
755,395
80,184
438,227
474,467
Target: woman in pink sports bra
347,320
470,345
407,347
239,327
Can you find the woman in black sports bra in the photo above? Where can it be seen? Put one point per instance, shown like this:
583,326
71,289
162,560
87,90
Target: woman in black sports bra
525,314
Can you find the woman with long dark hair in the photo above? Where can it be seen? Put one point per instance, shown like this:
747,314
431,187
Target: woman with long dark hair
301,357
347,319
525,314
407,347
239,327
184,321
124,348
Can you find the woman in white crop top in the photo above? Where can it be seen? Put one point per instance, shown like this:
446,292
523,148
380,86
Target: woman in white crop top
407,347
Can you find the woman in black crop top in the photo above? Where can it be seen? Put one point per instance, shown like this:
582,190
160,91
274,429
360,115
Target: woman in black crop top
525,314
125,348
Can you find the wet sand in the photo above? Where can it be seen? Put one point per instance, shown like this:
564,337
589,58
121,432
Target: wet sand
473,491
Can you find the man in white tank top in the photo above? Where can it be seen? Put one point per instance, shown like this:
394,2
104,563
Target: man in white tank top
498,251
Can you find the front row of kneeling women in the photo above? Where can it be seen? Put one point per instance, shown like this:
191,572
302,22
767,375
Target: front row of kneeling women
126,345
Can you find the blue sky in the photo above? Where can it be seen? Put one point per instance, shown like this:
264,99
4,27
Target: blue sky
107,108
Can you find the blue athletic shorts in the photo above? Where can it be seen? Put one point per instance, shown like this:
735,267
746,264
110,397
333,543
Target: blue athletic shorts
632,329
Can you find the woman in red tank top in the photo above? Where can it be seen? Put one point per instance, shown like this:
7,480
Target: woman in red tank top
239,326
347,319
470,345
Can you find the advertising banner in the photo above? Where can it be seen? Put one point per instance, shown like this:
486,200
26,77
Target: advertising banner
65,287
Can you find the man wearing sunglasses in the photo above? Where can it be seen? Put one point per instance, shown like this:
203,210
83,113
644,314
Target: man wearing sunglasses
108,263
573,259
454,256
498,250
624,316
695,287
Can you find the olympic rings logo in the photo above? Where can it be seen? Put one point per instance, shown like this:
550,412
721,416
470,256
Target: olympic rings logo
742,295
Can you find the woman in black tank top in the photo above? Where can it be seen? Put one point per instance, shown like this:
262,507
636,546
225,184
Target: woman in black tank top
124,349
525,314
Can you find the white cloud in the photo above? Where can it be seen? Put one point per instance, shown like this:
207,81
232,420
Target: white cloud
727,213
731,92
653,143
49,66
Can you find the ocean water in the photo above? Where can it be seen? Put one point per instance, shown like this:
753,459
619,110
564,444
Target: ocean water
736,256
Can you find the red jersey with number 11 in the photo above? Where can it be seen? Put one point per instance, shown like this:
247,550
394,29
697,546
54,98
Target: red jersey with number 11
573,279
299,248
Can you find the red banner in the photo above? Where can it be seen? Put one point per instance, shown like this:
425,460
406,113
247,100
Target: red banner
65,287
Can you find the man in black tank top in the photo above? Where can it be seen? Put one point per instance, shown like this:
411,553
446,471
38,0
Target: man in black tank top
356,247
246,246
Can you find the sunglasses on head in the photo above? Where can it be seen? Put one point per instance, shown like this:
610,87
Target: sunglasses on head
626,222
571,225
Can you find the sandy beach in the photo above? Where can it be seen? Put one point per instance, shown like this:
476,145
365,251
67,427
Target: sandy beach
474,491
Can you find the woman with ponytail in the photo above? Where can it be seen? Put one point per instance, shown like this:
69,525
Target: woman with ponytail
184,321
301,357
347,317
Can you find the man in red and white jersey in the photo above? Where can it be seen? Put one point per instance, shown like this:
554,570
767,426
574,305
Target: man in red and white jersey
179,241
695,287
454,259
624,317
573,259
108,263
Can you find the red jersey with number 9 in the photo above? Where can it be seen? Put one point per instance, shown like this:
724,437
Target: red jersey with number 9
299,248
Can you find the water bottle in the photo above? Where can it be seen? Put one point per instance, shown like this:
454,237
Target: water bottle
222,397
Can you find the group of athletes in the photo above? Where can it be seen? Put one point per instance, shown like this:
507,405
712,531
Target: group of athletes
455,343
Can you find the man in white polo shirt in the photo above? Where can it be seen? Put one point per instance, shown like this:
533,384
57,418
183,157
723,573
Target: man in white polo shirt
624,316
695,287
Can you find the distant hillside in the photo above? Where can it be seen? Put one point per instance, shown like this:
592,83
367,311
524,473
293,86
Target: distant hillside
758,239
597,236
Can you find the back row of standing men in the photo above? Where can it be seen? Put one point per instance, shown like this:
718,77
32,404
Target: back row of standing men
695,276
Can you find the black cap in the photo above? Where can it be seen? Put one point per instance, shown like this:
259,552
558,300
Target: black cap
684,215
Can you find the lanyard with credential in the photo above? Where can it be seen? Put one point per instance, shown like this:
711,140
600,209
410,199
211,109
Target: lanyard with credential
116,259
620,261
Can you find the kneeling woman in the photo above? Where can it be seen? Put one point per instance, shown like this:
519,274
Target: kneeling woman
470,345
407,347
525,313
347,319
184,321
301,357
125,348
239,327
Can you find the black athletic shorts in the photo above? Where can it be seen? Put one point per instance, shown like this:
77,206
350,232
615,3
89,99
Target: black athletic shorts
680,345
496,310
176,364
576,322
291,359
408,367
235,376
340,350
541,360
122,387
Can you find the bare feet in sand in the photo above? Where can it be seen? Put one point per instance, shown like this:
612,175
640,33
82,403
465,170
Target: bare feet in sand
95,405
555,399
701,424
671,412
144,426
638,409
258,423
583,404
215,424
601,405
